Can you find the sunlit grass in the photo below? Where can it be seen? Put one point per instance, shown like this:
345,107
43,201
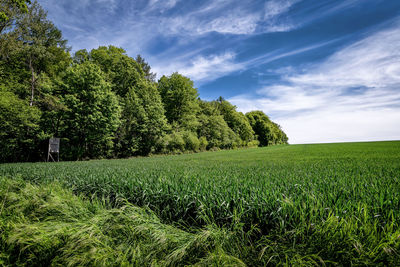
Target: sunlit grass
48,225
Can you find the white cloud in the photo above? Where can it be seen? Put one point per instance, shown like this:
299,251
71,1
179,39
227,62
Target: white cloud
232,23
204,69
230,17
201,68
273,10
353,95
161,5
372,62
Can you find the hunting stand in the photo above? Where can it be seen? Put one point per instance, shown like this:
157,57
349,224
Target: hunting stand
54,148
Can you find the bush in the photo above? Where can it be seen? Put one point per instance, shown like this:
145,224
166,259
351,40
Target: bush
253,143
176,142
203,143
191,141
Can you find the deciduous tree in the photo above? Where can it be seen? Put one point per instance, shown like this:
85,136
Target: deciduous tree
92,114
122,71
146,68
180,100
143,120
9,10
19,129
39,45
267,132
237,121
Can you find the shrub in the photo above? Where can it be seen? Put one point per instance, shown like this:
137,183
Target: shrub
203,143
176,142
253,143
191,141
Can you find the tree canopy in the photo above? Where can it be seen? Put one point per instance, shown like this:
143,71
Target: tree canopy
180,100
9,9
267,132
93,111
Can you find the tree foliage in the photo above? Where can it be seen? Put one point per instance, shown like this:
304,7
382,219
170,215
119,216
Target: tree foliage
267,132
19,127
9,10
37,45
180,100
215,129
121,71
143,120
237,121
92,114
145,68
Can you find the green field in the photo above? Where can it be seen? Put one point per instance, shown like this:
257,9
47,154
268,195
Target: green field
289,204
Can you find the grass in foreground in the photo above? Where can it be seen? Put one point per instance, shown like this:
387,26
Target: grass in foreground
298,204
48,225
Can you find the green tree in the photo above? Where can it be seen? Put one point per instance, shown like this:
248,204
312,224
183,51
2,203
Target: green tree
175,142
143,120
146,68
180,100
192,143
281,137
217,132
37,44
214,128
14,75
268,132
51,105
19,129
92,112
81,56
122,71
237,121
9,10
33,54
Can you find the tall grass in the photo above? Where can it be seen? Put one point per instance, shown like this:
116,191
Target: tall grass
48,225
297,204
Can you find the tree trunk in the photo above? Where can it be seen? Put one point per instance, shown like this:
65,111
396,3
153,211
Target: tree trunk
33,81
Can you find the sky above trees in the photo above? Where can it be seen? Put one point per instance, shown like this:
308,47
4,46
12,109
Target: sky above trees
326,71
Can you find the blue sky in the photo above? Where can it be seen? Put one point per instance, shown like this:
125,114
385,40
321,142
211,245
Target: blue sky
326,71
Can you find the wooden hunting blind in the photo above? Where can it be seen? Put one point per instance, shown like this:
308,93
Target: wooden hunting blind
54,148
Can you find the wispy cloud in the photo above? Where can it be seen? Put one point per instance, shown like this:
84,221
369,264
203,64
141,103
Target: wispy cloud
372,62
203,68
140,22
273,11
233,23
161,5
231,17
354,94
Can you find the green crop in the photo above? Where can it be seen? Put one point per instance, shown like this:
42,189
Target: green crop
302,204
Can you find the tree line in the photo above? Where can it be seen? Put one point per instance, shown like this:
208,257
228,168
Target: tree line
103,103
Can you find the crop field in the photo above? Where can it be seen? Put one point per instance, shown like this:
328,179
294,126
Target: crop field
290,204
